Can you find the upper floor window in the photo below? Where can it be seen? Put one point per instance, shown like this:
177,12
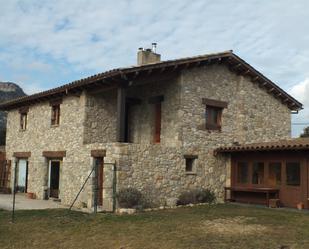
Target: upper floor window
55,111
214,109
23,121
23,117
156,101
213,118
55,115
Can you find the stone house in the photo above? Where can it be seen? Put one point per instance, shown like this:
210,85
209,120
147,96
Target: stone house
154,126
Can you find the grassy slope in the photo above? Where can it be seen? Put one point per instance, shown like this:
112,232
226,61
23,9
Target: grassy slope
218,226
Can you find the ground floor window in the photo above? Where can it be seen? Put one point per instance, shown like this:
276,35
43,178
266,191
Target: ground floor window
268,173
258,173
293,173
274,175
242,172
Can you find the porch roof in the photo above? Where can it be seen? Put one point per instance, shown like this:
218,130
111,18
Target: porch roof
127,76
289,144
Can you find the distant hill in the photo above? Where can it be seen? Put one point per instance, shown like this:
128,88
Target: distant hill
8,91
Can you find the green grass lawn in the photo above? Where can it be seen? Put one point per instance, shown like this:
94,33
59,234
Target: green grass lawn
216,226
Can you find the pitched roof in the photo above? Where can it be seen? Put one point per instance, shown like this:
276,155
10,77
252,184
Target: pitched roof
289,144
124,75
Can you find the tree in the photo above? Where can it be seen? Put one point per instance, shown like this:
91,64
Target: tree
305,133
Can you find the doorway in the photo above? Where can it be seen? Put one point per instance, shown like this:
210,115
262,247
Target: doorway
54,178
22,176
99,179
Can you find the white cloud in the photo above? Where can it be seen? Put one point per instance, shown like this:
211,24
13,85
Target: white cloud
301,92
54,42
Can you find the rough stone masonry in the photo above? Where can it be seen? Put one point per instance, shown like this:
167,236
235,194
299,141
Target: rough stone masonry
88,122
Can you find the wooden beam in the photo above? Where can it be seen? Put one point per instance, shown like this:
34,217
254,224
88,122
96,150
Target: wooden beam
54,154
123,76
255,78
22,154
271,90
237,66
215,103
121,108
98,153
246,72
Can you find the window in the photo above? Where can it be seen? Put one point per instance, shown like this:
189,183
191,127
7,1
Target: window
55,115
156,101
23,121
213,118
157,134
214,109
190,163
293,173
258,173
274,175
242,172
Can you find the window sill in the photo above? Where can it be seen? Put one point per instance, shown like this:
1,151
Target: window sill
54,126
190,173
22,130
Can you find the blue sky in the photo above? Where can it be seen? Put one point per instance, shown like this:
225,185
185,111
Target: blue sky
44,44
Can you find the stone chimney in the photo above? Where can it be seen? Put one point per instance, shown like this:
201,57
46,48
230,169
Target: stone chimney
148,56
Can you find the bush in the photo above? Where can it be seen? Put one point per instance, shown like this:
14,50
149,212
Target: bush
129,198
196,196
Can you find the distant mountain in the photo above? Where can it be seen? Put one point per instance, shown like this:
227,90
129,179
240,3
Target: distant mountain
8,91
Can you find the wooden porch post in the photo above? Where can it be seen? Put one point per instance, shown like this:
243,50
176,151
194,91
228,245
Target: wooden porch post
121,106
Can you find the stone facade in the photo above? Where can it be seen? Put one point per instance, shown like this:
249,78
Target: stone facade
88,122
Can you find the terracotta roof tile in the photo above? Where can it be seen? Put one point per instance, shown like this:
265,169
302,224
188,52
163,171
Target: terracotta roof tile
290,144
227,57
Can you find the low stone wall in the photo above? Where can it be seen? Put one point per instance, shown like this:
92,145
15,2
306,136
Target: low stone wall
159,171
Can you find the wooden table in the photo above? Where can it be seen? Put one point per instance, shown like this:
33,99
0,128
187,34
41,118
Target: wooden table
265,190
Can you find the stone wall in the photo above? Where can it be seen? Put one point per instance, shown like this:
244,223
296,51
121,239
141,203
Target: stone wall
252,115
88,122
41,136
159,171
100,119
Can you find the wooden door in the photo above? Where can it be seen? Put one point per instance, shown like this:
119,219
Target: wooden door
22,175
54,179
100,176
291,190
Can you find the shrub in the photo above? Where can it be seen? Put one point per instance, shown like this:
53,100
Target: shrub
129,198
196,196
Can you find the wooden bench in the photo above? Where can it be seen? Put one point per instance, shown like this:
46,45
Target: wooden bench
266,191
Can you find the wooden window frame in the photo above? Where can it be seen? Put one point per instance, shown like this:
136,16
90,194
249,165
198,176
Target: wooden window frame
217,106
209,124
23,118
55,115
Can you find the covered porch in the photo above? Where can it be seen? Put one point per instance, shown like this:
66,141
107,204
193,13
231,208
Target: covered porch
273,171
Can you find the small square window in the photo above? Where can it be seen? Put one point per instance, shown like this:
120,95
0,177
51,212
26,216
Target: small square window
55,115
190,163
23,121
213,118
